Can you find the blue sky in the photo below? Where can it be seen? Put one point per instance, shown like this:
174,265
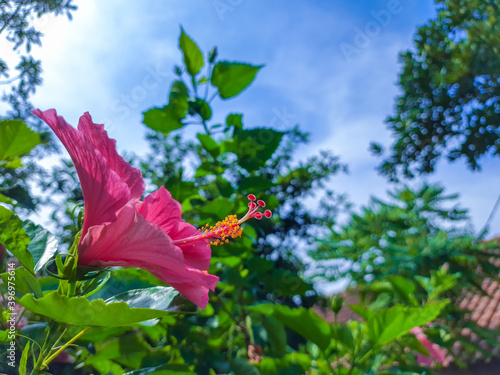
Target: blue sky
319,73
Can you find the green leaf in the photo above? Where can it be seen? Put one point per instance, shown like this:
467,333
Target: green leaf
24,282
301,320
167,369
239,366
200,107
219,207
14,238
209,144
231,78
4,336
169,118
98,313
255,183
343,334
404,288
389,324
235,120
24,359
163,120
14,164
256,146
16,139
276,336
193,57
157,298
20,195
43,244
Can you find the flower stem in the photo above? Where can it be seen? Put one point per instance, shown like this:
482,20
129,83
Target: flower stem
58,351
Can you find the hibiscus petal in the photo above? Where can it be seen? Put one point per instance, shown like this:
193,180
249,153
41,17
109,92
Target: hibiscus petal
161,209
98,137
132,241
104,190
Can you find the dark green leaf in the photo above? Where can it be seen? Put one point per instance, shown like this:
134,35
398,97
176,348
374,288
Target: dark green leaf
256,146
239,366
43,244
200,107
209,144
301,320
235,120
20,195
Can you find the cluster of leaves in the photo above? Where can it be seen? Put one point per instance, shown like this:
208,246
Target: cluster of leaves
400,252
451,91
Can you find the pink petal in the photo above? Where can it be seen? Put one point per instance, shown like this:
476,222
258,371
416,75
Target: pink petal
98,137
107,184
132,241
161,209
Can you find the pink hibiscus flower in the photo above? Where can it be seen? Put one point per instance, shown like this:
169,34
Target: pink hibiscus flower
436,352
121,230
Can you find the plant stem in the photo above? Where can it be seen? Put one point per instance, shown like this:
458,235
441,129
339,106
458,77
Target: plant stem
57,352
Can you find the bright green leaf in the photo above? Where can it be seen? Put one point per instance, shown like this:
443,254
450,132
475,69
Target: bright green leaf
389,324
24,359
231,78
193,57
14,238
162,120
24,281
98,313
16,139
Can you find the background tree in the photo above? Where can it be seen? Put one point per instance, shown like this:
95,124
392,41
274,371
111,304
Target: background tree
450,105
18,81
411,250
17,24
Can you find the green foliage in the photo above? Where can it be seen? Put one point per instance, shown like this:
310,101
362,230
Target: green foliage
231,78
16,139
193,58
14,238
450,83
386,325
261,319
98,313
400,253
